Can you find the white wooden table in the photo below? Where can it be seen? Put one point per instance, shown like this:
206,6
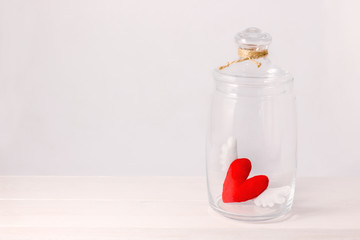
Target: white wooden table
164,208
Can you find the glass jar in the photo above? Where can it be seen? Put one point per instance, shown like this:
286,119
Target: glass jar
251,144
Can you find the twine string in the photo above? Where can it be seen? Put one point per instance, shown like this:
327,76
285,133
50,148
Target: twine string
248,54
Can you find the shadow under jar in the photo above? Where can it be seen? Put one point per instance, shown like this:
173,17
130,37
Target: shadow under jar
251,143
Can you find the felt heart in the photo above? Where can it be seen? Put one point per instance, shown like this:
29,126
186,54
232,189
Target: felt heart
237,188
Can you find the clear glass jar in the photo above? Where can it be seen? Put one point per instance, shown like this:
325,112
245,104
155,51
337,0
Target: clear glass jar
252,132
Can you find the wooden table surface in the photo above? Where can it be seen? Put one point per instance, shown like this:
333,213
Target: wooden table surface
164,208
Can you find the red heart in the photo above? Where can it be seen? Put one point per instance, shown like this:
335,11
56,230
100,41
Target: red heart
237,188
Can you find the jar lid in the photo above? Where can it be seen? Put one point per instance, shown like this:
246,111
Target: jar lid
256,70
252,37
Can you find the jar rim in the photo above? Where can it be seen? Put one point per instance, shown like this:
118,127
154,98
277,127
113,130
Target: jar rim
252,80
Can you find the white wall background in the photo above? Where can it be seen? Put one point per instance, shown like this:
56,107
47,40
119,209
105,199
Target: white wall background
99,87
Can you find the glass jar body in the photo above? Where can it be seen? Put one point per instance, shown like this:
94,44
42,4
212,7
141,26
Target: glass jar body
253,118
